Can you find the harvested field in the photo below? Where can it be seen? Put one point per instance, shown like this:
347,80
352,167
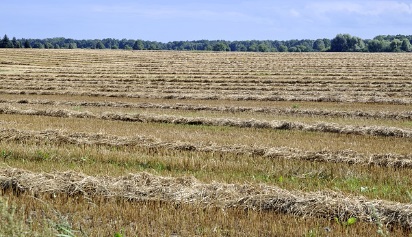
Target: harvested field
234,139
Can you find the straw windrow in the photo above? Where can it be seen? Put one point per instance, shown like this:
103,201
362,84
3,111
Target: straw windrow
344,156
232,109
144,187
284,125
210,116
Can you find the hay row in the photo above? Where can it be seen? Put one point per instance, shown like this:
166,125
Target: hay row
213,96
283,125
188,71
151,81
159,78
407,115
188,190
120,84
242,91
345,156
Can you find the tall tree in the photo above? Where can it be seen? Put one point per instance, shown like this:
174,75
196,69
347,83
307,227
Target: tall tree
100,45
283,48
406,45
138,45
6,43
327,43
376,46
262,47
15,43
48,45
347,43
319,45
356,44
27,44
38,45
72,46
339,43
221,46
396,45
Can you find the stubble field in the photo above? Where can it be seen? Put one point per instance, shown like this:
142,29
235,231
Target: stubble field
144,143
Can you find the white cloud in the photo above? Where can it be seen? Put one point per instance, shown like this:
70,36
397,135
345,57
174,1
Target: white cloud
294,13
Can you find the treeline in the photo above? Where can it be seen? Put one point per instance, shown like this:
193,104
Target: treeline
341,43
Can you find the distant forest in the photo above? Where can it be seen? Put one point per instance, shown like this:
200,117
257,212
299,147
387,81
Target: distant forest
341,43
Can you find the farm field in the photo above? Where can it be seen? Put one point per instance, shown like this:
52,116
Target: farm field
165,143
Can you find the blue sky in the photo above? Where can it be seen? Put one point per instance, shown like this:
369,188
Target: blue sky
168,20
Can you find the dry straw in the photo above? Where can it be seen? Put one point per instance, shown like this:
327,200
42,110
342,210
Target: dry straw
284,125
405,115
181,95
345,156
144,186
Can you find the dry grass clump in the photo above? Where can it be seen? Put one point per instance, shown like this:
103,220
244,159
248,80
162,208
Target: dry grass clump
147,187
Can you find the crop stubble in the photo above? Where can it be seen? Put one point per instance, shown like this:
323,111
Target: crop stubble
61,98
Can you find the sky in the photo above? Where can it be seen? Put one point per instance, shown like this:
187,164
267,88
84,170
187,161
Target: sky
176,20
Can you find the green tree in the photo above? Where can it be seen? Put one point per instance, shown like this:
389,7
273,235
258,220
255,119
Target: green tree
283,48
319,45
27,44
327,43
356,44
262,47
72,46
138,45
253,47
396,45
19,45
406,45
347,43
48,45
100,45
15,43
293,49
237,46
242,48
38,45
6,43
220,46
153,46
377,45
339,43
